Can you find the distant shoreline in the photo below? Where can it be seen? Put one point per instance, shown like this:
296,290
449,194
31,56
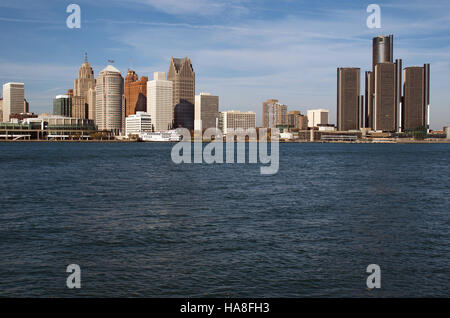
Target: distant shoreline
445,141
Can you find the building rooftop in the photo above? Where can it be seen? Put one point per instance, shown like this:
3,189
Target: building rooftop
110,68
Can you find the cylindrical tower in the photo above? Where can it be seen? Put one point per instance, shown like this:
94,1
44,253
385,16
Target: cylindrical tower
383,50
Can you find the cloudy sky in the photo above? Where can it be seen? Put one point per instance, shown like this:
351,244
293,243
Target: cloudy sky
245,51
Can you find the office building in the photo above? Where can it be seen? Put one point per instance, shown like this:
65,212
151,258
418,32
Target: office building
109,100
62,106
385,102
274,114
302,122
26,106
13,99
182,75
81,86
416,101
293,119
92,103
135,93
206,111
159,102
317,117
138,123
348,99
1,109
382,50
184,115
235,120
297,121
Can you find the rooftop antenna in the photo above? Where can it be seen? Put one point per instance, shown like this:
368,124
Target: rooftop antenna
131,63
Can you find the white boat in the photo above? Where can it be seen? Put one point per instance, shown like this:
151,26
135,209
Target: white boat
161,136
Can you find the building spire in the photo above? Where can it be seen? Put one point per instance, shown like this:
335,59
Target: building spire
85,57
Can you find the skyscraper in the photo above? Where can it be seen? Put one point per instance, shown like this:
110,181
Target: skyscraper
135,93
206,111
348,98
297,121
382,50
182,75
81,86
416,99
293,119
62,106
159,101
109,100
183,114
1,108
13,99
274,114
385,103
92,103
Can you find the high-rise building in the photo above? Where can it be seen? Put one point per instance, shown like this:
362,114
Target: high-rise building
1,108
109,100
81,86
206,111
13,99
26,106
184,115
62,106
388,107
385,102
182,75
297,121
348,98
138,123
416,101
135,93
317,117
293,119
274,114
92,103
159,101
382,50
235,120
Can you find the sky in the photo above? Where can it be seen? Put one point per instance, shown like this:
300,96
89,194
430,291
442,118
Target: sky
244,51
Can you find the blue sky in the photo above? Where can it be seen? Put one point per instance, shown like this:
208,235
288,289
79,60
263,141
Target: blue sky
245,51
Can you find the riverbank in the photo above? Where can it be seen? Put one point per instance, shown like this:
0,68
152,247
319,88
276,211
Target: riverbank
443,141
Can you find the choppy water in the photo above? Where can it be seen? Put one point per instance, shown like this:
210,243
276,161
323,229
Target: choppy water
139,225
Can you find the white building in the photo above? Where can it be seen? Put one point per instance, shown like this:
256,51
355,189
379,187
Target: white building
109,100
236,119
13,99
206,111
1,109
159,101
317,117
137,124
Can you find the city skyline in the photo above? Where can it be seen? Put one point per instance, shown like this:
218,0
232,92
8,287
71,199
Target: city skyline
239,61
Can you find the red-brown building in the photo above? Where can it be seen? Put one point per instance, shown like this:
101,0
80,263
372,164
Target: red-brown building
135,93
